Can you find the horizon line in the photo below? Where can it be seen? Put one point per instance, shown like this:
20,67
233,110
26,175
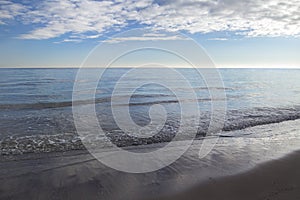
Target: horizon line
93,67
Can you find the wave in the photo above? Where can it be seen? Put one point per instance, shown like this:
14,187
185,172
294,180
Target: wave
240,119
235,120
40,144
46,105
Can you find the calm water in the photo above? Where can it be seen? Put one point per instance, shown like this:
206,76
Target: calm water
35,102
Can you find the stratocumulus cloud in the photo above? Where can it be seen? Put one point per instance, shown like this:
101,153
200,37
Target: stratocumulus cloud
10,10
84,19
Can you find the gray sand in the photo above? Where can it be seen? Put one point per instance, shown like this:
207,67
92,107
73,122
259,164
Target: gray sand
78,175
275,180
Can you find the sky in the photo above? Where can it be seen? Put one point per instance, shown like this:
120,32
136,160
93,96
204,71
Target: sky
234,33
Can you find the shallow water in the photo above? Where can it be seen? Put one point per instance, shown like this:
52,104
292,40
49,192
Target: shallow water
36,113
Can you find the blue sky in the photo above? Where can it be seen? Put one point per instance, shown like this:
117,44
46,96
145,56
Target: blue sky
234,33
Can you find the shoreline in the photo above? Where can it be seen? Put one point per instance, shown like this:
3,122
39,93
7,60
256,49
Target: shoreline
238,122
38,144
274,180
78,175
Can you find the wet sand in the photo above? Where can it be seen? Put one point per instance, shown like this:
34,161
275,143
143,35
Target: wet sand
248,167
274,180
77,175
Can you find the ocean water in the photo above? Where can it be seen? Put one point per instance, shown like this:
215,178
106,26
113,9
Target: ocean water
36,104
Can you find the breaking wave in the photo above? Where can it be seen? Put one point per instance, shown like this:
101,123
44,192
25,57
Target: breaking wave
235,120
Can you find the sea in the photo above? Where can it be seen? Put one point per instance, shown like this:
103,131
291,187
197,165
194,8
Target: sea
36,104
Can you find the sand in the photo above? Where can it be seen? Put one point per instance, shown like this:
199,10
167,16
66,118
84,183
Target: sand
79,176
274,180
240,168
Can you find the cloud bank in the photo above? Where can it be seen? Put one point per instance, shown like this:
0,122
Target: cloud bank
91,19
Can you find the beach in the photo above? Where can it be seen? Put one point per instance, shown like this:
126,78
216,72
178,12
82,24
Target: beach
237,168
275,180
43,157
149,100
79,178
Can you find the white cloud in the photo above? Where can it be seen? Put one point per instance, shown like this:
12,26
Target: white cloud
72,16
254,17
145,37
69,40
9,10
154,34
90,19
218,39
